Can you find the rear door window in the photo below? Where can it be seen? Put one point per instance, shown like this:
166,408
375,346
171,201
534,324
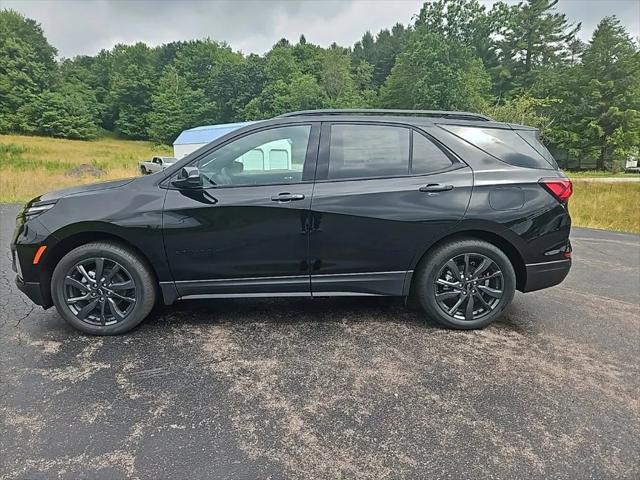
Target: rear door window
361,151
510,146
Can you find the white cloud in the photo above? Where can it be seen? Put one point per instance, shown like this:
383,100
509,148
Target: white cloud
86,27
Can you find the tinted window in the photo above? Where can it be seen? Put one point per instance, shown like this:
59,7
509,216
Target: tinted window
533,138
427,157
358,151
505,145
273,156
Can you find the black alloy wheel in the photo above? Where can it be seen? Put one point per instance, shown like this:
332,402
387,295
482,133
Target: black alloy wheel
100,291
465,284
103,288
469,286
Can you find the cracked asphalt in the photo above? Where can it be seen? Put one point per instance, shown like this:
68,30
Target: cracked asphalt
332,388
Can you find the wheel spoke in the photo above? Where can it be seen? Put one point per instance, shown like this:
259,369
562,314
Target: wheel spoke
447,295
77,299
103,319
122,297
128,285
466,265
493,275
112,272
451,265
486,263
445,283
76,283
88,308
468,315
115,310
492,292
84,273
99,268
454,309
483,301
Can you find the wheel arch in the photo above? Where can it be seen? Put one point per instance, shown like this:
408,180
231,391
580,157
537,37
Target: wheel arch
65,245
500,241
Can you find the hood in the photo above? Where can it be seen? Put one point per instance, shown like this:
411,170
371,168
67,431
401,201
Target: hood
92,187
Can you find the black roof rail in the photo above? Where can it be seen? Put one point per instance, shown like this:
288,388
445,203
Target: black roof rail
373,111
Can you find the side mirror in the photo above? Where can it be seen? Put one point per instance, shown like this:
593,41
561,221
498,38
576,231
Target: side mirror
188,177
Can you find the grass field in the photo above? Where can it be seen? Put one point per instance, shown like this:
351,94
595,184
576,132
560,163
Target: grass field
30,166
610,206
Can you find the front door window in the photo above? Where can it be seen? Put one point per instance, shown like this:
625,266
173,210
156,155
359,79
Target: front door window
268,157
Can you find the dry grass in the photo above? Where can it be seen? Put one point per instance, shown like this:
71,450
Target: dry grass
599,173
30,166
609,206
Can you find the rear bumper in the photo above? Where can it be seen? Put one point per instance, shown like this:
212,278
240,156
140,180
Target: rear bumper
31,290
547,274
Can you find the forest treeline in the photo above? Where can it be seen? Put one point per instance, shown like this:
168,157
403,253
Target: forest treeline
518,63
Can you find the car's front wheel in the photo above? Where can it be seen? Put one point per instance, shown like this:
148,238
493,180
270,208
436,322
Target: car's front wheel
465,284
103,288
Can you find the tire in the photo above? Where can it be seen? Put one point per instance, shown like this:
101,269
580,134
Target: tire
128,292
143,170
438,288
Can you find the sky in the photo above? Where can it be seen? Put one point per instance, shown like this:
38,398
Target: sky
84,27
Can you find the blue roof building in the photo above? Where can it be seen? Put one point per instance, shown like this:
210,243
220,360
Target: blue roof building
194,138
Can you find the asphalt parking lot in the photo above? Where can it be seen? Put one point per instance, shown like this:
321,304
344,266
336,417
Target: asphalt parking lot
332,388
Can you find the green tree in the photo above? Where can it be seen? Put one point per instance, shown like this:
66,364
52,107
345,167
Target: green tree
309,57
598,114
523,109
382,51
533,35
436,73
610,109
281,64
300,93
470,23
340,84
27,66
175,106
131,86
70,111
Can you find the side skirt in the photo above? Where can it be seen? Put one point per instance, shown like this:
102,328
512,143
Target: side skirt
322,285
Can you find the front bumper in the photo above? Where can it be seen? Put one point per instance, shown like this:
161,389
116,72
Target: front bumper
547,274
31,290
27,238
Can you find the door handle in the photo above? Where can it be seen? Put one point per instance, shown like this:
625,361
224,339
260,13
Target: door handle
287,197
435,187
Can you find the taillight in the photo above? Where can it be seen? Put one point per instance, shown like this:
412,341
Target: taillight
561,188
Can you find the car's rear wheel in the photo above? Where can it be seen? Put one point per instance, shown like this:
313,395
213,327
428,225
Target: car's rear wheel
465,284
103,288
143,170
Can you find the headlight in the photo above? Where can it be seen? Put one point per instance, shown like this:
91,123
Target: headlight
36,209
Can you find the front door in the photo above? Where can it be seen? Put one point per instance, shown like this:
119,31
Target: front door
383,194
245,231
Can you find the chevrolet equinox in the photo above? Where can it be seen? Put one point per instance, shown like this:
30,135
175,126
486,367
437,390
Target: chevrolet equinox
451,209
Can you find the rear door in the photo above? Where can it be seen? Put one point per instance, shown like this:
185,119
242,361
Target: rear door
383,194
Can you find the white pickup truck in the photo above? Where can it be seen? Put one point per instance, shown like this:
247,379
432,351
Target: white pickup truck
156,164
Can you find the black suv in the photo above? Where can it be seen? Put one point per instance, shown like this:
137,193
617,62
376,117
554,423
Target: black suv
450,208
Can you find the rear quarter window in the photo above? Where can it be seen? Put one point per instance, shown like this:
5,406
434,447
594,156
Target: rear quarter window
427,157
521,148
